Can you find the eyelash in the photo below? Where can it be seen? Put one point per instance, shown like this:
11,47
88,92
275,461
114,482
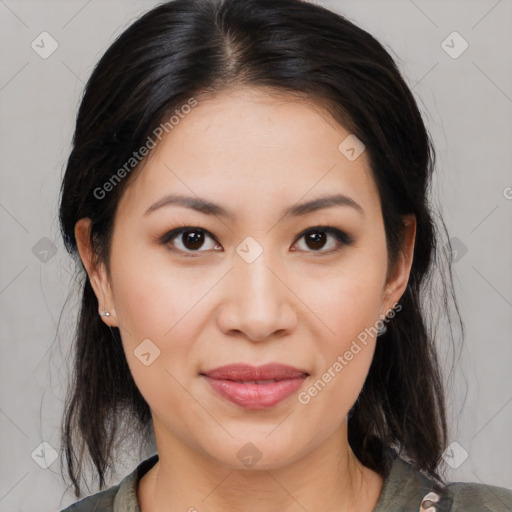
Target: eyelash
342,238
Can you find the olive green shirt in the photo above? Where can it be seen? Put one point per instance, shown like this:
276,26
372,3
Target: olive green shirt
404,490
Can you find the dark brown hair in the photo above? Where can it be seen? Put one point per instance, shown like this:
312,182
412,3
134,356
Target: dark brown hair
186,47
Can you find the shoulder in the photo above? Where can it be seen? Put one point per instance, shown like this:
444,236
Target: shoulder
121,497
479,497
100,502
409,490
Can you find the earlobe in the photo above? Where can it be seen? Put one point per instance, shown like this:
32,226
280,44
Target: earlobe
397,282
96,272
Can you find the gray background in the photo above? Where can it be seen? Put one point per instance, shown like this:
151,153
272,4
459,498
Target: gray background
467,102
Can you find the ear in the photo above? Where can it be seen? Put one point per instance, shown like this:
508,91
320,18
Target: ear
397,281
97,272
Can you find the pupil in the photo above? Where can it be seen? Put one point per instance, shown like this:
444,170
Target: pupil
195,239
316,238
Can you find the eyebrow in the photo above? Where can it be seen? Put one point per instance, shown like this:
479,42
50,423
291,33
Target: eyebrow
208,208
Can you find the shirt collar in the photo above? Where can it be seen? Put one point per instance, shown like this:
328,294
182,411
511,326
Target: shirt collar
126,496
403,487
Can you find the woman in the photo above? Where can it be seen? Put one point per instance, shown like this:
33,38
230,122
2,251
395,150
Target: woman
247,193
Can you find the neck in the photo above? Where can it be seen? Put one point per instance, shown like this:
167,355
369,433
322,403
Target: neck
328,477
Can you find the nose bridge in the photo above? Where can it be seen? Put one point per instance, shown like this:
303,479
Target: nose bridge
252,260
259,303
261,289
257,279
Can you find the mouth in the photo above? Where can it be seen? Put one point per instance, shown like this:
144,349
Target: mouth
255,387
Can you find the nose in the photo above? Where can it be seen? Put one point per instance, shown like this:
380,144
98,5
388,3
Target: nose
257,302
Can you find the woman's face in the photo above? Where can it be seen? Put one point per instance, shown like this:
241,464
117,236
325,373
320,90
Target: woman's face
246,285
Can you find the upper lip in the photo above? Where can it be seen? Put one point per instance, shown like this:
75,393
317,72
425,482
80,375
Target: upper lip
246,372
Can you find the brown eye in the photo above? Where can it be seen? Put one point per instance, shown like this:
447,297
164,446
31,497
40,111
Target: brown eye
189,239
317,238
192,239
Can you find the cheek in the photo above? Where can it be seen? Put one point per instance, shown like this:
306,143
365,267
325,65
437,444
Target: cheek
343,359
347,299
153,295
348,302
156,311
326,402
158,326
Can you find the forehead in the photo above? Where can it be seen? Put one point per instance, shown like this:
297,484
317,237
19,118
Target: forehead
248,147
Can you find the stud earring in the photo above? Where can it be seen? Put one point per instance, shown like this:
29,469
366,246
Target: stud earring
104,313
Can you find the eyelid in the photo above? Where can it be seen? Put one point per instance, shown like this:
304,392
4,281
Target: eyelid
175,232
328,228
341,236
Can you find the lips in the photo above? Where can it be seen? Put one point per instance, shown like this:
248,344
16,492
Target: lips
255,387
247,373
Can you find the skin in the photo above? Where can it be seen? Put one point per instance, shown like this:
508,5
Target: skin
254,153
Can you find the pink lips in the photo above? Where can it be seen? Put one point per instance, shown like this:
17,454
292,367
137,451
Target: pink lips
255,387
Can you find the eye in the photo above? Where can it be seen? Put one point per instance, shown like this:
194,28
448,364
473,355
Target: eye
317,237
190,239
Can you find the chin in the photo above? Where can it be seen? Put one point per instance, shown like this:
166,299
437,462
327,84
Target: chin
256,452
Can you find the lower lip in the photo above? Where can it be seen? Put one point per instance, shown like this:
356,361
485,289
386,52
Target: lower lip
255,396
